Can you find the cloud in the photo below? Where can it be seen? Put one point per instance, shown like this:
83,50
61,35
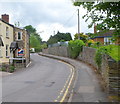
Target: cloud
50,15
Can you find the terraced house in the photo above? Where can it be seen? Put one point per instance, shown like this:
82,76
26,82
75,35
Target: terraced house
14,44
6,37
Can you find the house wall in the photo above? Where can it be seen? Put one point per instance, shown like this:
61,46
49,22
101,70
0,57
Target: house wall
99,40
6,41
24,43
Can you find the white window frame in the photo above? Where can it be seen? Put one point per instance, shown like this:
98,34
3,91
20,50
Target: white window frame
107,40
20,36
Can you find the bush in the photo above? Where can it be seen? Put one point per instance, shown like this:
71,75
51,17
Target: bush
90,42
38,49
75,47
111,50
96,45
2,69
12,69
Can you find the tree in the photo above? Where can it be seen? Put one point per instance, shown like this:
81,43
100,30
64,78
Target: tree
35,43
58,37
30,29
44,45
105,14
83,37
35,39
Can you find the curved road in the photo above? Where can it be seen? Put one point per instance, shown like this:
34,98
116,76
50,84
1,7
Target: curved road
45,80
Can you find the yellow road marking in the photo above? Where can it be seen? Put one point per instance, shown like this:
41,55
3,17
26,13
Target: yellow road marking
68,80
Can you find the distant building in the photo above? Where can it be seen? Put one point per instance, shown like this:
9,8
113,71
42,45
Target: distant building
104,37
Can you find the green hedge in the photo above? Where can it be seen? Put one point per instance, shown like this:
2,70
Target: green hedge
111,50
75,47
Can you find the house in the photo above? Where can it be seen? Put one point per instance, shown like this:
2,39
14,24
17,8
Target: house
6,37
14,44
104,37
20,46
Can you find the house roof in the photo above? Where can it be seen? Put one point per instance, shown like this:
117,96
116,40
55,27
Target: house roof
108,33
6,23
104,34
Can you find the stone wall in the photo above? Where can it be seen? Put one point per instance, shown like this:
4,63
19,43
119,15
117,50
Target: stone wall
88,55
59,51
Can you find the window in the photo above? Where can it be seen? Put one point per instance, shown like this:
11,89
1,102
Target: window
0,52
0,28
19,35
7,32
7,46
107,40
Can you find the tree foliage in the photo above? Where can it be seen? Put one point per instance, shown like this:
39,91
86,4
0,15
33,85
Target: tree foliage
105,14
58,37
30,29
75,47
35,39
82,36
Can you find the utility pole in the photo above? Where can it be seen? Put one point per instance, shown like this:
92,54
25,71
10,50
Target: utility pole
78,25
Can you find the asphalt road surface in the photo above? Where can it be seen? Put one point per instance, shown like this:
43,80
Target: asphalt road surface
45,80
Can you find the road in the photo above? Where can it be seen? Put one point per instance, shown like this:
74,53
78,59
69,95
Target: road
45,80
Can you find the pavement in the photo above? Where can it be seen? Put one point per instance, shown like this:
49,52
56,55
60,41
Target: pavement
86,87
4,73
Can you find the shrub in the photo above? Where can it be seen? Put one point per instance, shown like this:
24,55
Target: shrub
111,50
75,47
38,49
98,56
12,69
90,42
96,45
2,69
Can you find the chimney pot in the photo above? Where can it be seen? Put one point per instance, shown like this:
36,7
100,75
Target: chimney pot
5,17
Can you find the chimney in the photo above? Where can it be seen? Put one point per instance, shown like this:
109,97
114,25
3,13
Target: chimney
95,30
5,18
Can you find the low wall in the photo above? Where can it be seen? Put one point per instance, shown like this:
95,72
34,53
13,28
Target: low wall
59,51
88,55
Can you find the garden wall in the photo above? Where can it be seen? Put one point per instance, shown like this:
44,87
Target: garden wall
88,55
59,51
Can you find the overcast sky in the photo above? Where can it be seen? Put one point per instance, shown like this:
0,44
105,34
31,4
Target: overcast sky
46,16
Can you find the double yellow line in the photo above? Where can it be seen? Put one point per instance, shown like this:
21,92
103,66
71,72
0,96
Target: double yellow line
67,84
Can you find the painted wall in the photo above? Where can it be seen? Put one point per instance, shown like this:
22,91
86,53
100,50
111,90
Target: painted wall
6,41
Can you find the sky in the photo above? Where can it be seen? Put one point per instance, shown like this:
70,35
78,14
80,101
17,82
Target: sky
47,16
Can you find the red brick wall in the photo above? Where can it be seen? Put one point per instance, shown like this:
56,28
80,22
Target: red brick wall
99,40
5,17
